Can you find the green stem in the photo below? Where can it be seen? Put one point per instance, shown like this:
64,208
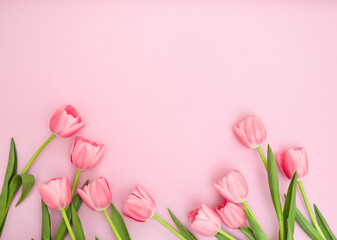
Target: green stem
248,209
307,204
169,227
66,220
262,156
114,229
75,182
37,153
222,232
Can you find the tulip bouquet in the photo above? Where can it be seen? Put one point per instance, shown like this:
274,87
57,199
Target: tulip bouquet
234,211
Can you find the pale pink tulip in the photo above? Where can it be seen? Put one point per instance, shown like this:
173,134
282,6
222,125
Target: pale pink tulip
85,154
96,195
139,205
56,193
251,132
205,221
233,187
66,122
232,214
293,160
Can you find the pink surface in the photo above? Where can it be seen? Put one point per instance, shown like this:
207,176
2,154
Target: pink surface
161,84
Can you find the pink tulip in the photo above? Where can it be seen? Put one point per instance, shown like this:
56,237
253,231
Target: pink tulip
96,195
233,187
293,160
66,122
85,154
139,205
232,214
251,132
56,193
205,221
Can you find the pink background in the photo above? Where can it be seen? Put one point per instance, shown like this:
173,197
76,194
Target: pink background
161,84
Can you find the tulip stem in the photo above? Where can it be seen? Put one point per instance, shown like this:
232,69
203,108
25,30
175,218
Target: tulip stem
222,232
75,182
66,220
114,229
37,153
169,227
248,209
262,157
307,204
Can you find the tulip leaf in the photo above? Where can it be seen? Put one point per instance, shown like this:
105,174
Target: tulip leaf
274,189
221,237
290,233
117,219
62,229
307,227
46,232
247,232
96,238
183,230
26,180
256,228
77,223
10,173
324,225
289,211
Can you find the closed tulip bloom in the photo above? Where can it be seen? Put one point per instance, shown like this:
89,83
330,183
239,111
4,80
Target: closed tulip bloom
66,122
232,214
139,206
56,193
293,160
85,154
251,132
96,195
233,187
205,221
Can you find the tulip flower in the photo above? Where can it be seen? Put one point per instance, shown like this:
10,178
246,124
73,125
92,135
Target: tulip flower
56,194
206,222
252,134
295,160
97,196
232,214
85,154
141,207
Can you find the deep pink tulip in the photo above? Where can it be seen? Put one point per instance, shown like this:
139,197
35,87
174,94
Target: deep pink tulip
233,187
85,154
205,221
96,195
56,193
139,205
232,214
66,122
251,132
293,160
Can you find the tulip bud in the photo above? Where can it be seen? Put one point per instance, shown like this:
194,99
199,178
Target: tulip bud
293,160
139,205
233,187
205,221
251,132
232,214
85,154
96,195
66,122
56,193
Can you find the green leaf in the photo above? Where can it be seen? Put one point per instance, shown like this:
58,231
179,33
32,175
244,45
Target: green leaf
183,230
221,237
77,223
96,238
256,228
117,219
324,225
274,188
46,232
290,234
289,211
62,229
26,180
307,227
247,232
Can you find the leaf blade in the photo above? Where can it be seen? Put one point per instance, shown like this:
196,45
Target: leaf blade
46,231
256,228
183,230
324,225
307,227
247,232
119,223
289,211
77,224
